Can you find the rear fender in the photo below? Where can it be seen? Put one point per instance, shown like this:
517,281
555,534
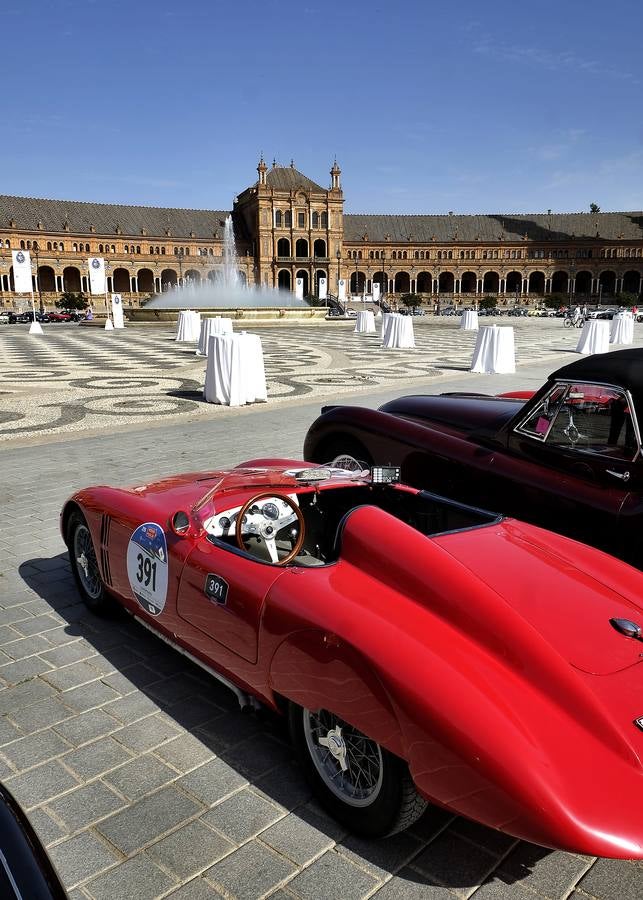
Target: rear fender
318,670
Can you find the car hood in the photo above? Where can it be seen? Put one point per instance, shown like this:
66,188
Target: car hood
466,412
568,592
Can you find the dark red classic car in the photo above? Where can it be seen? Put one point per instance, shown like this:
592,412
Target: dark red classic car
567,457
421,649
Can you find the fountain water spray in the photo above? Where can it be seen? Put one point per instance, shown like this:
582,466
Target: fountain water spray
227,291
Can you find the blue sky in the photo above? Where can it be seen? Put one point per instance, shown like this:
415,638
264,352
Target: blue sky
429,107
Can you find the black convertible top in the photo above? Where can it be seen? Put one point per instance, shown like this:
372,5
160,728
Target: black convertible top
621,367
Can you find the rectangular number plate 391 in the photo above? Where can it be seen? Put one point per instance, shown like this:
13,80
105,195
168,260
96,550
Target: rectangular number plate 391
216,588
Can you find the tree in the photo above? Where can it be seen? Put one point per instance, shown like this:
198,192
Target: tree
411,300
555,301
593,208
488,303
625,299
69,300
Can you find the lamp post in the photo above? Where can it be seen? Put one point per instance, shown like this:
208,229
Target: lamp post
180,252
339,256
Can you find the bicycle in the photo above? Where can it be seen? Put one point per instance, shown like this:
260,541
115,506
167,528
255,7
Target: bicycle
569,322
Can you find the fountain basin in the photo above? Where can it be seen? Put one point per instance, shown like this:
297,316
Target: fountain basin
245,314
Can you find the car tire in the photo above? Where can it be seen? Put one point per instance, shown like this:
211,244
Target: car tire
84,565
381,800
341,445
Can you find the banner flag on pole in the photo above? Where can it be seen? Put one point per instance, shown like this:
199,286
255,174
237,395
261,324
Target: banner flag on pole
341,289
117,311
323,288
97,283
376,292
22,271
299,288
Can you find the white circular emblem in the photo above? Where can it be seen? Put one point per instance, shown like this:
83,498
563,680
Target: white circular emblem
95,264
147,567
117,299
20,257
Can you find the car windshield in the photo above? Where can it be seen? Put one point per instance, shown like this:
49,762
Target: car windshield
284,480
588,417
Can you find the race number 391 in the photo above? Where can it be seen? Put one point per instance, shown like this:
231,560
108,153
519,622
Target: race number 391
147,567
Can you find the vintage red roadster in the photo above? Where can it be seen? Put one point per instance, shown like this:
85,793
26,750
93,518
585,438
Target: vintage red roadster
422,650
567,457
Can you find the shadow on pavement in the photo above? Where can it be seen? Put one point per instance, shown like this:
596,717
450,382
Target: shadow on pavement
254,749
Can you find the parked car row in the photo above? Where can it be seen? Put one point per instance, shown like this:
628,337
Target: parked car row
11,317
422,649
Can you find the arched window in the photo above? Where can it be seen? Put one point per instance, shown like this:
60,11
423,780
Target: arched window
162,251
22,245
315,220
61,247
324,220
278,218
288,219
138,248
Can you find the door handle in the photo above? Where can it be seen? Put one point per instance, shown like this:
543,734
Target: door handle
623,476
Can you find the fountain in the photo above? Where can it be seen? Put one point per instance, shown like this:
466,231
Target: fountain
227,292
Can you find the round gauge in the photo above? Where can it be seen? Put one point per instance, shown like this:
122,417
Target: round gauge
271,511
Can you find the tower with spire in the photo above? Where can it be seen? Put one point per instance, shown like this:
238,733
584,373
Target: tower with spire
294,226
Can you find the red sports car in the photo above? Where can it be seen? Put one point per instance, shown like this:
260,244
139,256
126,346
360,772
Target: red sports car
567,457
422,650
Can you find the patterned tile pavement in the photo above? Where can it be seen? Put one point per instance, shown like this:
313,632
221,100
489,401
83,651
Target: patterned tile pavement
138,771
78,378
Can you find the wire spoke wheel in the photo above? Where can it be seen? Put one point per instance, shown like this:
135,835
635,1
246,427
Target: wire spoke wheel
348,763
85,561
84,564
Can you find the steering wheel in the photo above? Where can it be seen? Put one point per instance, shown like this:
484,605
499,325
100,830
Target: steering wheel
570,431
263,517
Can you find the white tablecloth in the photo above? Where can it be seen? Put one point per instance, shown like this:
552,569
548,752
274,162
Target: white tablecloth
622,330
595,337
469,320
365,322
235,373
494,351
188,326
209,326
397,331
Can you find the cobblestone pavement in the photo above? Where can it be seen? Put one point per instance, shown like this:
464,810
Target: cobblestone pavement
77,378
138,771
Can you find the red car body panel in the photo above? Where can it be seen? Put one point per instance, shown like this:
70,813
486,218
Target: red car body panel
482,656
